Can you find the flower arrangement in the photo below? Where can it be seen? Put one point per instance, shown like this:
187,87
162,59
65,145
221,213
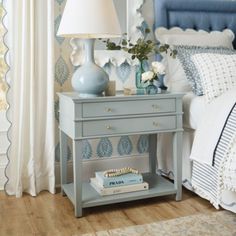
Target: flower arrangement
142,49
157,69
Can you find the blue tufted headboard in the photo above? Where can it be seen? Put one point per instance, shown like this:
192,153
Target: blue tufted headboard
196,14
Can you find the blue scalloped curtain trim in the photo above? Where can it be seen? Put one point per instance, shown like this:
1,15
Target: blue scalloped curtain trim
6,56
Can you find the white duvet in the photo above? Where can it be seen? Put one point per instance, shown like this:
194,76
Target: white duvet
210,127
207,138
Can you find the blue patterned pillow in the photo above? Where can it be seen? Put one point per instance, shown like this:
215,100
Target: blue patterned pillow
184,55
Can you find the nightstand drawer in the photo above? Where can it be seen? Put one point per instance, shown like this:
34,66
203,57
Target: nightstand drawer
126,126
100,109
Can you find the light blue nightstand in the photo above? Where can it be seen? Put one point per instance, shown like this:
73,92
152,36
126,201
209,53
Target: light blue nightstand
90,118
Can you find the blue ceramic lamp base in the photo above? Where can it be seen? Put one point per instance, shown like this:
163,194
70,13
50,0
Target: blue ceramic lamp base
89,80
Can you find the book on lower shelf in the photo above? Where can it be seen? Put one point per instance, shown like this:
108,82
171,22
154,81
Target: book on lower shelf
127,179
119,189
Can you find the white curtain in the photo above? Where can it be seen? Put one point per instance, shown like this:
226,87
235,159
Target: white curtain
31,96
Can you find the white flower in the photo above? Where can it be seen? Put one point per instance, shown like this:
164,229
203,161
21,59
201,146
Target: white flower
147,76
158,68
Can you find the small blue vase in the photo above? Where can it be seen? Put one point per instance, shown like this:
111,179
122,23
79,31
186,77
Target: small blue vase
151,88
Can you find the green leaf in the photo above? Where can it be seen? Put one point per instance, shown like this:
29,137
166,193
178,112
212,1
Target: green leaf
167,46
162,49
124,42
175,52
147,30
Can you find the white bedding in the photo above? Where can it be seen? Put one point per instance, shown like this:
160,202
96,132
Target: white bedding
193,108
212,178
212,123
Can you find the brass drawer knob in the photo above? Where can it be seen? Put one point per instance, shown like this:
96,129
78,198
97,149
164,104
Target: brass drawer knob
108,110
108,127
156,107
155,124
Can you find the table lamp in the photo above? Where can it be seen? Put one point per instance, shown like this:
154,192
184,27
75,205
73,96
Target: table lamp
88,20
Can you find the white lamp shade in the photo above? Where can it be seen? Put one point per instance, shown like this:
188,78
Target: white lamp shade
89,19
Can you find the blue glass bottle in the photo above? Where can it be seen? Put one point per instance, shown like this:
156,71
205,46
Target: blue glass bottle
151,88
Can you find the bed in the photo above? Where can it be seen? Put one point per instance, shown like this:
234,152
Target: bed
205,15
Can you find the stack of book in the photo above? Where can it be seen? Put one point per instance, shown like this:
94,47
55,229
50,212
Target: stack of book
125,183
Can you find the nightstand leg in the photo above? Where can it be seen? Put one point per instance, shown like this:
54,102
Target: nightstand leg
152,153
77,169
63,159
177,155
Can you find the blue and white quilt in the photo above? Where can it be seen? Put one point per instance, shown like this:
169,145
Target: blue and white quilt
214,150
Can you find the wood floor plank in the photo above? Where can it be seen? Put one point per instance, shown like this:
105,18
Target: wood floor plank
118,218
50,214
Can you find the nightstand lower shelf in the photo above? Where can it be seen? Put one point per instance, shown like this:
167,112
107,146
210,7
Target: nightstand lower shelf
158,186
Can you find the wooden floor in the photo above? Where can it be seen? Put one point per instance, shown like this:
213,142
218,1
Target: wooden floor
53,214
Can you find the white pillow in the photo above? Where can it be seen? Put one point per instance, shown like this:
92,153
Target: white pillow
175,78
217,73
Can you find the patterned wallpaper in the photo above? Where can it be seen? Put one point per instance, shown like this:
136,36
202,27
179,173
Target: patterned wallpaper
123,75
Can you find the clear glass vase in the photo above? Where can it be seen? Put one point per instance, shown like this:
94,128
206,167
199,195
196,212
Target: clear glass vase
141,68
